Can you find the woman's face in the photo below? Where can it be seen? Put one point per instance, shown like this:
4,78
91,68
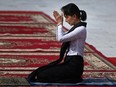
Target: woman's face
70,19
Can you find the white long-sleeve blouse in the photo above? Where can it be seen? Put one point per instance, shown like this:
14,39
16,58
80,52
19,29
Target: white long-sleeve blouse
77,39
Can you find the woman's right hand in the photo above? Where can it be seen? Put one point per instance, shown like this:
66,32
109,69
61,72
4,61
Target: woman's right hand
58,17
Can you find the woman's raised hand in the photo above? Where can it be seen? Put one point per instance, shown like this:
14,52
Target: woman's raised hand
58,17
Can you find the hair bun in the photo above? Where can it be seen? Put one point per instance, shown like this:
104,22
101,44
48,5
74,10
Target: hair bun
83,15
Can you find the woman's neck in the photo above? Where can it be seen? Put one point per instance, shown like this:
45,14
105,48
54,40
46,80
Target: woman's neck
77,22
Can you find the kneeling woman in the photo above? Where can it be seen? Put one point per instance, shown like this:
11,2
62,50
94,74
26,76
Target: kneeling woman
72,49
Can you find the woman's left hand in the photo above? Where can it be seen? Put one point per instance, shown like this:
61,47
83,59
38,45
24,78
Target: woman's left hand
58,17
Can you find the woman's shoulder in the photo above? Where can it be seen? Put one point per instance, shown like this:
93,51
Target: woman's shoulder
80,28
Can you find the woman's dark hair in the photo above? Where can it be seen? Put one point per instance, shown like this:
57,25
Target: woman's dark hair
71,9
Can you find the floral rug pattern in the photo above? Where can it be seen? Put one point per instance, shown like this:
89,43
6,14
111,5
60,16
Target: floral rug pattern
27,41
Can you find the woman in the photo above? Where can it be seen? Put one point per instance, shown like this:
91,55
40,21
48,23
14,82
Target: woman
72,49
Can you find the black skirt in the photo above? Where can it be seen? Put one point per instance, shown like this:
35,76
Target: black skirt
69,71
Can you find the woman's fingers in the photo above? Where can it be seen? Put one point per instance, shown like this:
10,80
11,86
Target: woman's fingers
55,13
57,16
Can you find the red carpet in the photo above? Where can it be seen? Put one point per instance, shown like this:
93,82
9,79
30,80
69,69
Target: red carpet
29,44
27,41
22,30
112,60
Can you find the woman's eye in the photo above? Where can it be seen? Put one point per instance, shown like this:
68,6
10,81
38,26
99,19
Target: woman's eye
66,16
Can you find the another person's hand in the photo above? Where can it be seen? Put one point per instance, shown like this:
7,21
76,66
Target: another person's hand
58,17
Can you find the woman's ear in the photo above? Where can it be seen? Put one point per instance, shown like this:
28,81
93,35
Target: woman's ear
74,16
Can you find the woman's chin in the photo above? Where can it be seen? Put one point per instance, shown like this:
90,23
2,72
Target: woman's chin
70,24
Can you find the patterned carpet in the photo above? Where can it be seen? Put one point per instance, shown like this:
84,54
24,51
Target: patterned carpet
27,41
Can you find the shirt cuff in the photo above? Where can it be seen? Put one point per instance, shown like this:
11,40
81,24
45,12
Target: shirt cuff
59,26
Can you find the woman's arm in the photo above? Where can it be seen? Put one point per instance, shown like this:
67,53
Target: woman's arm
75,34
